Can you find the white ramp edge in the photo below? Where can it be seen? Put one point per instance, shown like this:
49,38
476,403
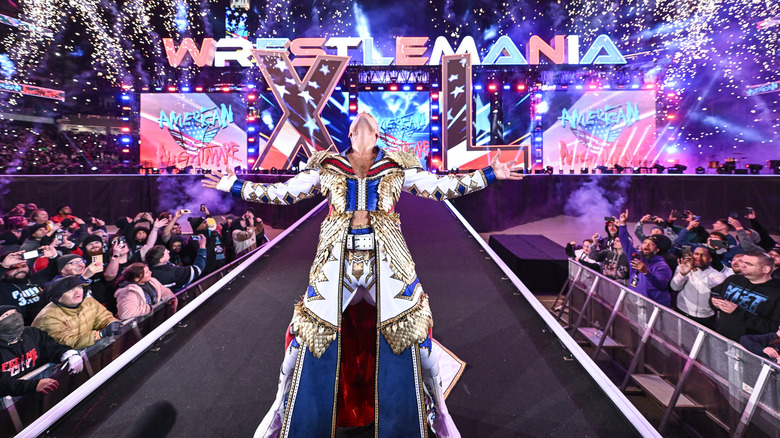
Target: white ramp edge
51,416
610,389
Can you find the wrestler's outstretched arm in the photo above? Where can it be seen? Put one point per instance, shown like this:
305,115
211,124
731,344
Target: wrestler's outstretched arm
303,185
429,185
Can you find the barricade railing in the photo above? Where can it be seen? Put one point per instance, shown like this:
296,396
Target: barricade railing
17,412
711,384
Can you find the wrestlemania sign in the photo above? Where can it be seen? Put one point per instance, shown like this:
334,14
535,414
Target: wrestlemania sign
409,51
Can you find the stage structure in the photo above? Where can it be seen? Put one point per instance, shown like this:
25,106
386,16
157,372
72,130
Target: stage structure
195,130
453,109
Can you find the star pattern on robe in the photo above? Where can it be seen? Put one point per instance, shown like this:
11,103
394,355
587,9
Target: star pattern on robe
280,65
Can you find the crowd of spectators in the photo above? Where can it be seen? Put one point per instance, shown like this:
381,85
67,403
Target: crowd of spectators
45,150
726,278
67,282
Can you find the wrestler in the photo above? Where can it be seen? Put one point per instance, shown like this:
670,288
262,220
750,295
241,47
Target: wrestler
359,345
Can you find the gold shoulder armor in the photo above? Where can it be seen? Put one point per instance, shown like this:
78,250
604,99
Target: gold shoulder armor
407,160
316,159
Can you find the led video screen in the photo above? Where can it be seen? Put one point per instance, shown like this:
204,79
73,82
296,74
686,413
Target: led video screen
199,130
506,121
586,129
403,118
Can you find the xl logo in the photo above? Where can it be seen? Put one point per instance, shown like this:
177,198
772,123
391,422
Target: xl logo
301,100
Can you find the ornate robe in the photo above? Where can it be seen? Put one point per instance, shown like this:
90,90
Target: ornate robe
403,318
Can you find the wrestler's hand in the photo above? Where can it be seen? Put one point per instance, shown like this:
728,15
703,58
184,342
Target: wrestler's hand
212,179
505,170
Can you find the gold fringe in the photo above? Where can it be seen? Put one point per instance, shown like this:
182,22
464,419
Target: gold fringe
316,159
315,334
331,232
409,328
387,227
407,160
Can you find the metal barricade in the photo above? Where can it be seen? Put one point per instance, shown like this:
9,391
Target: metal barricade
710,383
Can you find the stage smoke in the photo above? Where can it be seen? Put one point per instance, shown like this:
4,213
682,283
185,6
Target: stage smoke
592,202
187,192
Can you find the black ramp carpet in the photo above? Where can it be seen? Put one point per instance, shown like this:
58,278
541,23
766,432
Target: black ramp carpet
220,371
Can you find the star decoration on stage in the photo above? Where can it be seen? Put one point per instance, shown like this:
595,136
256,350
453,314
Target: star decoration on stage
311,124
456,92
282,90
453,78
306,96
301,99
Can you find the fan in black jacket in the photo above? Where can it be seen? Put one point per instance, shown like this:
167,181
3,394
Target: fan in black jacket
22,349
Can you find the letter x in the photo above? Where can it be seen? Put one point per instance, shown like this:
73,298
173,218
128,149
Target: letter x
301,100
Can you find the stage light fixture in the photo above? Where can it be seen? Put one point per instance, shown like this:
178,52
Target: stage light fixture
754,168
774,165
636,170
659,168
584,171
676,169
185,89
394,87
199,89
700,170
549,170
602,169
171,88
492,87
521,87
506,87
619,168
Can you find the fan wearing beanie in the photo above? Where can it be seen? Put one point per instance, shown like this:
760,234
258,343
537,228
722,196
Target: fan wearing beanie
73,319
22,349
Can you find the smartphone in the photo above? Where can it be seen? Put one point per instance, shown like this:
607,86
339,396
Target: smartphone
203,207
749,210
98,259
194,237
34,254
609,218
697,218
121,240
634,256
686,251
733,214
653,218
718,244
187,211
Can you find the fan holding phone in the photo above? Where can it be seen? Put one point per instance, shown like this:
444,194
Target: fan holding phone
649,274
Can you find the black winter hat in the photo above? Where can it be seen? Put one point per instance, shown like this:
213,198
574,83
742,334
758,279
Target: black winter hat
58,287
662,242
195,222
